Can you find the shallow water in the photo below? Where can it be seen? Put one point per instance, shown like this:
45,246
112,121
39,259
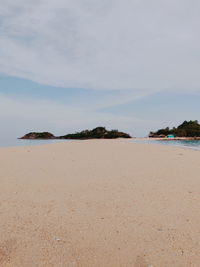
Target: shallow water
23,142
193,144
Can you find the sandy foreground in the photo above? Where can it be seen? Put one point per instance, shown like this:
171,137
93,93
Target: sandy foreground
99,204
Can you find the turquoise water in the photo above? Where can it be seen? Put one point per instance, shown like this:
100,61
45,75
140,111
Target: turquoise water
22,142
193,144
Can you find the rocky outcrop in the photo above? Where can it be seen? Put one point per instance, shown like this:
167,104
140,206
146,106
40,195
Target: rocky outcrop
35,135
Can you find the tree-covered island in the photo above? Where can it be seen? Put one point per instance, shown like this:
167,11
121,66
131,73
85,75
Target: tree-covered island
96,133
37,135
188,129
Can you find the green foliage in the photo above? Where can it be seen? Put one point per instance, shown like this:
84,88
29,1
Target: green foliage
190,128
96,133
186,129
35,135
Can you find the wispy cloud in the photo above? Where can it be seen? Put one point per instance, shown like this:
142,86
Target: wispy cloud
109,44
21,115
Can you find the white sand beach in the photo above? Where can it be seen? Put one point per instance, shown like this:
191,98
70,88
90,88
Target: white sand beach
99,203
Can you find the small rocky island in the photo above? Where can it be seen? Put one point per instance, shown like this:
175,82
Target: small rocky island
96,133
188,129
35,135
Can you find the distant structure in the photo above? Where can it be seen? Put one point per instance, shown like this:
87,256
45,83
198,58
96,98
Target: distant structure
171,136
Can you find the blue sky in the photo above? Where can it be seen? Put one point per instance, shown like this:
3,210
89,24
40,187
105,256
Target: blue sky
69,65
29,106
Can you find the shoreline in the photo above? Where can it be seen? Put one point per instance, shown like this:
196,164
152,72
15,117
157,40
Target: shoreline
164,142
169,139
147,140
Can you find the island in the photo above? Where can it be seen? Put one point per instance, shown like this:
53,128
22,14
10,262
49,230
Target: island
96,133
36,135
187,130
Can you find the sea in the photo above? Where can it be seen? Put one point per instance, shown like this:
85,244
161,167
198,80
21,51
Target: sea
192,144
22,142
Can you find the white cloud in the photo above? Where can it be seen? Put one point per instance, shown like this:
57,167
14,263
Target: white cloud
107,44
19,116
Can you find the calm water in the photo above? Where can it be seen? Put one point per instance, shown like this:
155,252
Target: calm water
193,144
20,142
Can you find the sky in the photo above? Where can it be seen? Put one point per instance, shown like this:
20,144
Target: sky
70,65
